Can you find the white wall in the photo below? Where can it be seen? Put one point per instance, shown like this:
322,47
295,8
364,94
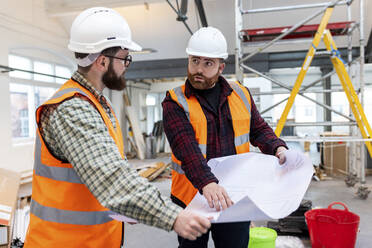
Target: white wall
26,30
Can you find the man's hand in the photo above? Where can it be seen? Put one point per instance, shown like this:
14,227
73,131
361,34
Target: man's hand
190,226
216,196
280,154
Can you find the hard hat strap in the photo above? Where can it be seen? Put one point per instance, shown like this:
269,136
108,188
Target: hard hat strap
88,60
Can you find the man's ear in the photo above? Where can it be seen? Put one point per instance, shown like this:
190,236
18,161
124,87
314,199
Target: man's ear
102,63
221,67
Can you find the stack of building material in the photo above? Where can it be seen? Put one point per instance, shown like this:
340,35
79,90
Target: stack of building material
22,220
139,141
158,133
295,223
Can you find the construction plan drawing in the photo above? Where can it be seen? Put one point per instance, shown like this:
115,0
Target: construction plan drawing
259,186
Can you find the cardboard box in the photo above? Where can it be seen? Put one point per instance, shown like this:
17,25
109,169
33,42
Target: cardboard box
9,185
335,155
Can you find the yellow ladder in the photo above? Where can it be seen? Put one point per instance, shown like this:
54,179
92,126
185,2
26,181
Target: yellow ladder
347,85
339,66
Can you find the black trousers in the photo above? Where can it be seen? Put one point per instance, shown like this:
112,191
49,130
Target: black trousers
224,235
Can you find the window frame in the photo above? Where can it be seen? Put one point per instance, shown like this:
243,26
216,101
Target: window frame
31,93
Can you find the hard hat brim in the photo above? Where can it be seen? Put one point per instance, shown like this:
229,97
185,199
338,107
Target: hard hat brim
207,55
134,47
100,46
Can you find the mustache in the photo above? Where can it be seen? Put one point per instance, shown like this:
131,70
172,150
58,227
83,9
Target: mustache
198,74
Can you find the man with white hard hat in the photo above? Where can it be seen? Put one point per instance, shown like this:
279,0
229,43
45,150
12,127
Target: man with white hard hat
205,118
81,176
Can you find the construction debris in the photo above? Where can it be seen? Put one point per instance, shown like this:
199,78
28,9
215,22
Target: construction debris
294,224
363,192
351,180
288,242
320,174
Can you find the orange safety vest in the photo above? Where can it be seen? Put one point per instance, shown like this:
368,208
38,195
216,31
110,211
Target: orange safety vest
64,213
240,108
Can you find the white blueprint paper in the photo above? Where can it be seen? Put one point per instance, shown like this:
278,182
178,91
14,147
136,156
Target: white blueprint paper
260,188
122,218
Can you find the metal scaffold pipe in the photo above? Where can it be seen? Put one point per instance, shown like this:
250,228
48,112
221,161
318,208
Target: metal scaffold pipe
286,87
294,7
260,49
326,123
361,78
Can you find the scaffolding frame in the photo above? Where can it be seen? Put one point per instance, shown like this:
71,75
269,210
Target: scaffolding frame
240,66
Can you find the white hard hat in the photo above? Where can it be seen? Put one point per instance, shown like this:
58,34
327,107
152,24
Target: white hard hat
96,29
208,42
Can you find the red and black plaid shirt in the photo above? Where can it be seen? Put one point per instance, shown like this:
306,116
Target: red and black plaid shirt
220,137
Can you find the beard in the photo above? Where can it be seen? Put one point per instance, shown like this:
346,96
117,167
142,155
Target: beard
113,81
207,83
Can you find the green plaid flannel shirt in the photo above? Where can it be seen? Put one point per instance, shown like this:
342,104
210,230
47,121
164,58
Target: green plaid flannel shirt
74,131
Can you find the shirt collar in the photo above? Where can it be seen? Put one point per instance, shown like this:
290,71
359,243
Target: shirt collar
225,87
78,77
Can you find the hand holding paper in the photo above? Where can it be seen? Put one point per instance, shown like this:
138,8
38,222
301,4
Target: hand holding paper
216,196
260,187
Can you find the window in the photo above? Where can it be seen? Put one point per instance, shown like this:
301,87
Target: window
341,104
150,100
28,91
20,63
19,110
153,109
308,111
62,71
305,109
45,68
278,110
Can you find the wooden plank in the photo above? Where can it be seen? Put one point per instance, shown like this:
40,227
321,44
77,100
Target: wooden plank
138,137
26,176
158,172
151,170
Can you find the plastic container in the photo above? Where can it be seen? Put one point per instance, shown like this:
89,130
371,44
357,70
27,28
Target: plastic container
262,237
332,228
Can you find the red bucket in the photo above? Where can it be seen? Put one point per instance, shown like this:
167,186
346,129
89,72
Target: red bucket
332,228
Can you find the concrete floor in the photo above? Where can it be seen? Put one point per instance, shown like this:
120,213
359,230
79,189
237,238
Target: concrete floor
320,193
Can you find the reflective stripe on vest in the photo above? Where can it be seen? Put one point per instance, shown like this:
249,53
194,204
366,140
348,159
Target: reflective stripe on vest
53,172
65,91
177,167
242,139
68,216
182,100
240,92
